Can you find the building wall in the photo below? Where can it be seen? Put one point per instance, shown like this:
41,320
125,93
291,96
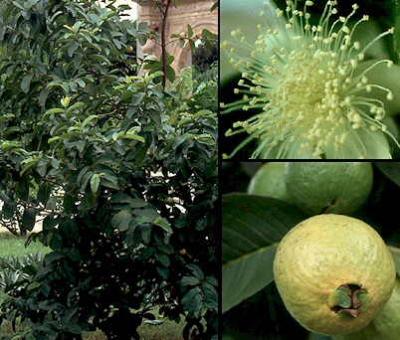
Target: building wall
195,13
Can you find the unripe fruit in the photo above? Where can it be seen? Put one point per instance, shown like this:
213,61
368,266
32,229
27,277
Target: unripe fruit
315,187
269,181
334,273
320,187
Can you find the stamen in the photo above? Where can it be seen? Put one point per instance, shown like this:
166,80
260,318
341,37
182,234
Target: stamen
302,83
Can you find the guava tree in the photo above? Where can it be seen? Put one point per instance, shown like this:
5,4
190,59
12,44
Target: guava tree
122,173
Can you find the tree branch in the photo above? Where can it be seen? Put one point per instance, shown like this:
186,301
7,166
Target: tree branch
164,54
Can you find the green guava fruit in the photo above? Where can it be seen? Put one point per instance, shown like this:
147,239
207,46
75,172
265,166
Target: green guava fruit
386,325
334,273
335,187
269,181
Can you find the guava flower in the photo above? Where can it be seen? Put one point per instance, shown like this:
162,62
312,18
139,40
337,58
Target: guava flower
309,85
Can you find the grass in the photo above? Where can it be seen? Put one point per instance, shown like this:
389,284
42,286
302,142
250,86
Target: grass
168,330
11,245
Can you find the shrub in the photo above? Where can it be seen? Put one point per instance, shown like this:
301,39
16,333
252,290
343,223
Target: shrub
124,178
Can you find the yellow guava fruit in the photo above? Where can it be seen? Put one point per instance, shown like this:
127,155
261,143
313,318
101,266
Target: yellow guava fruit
386,325
270,181
334,273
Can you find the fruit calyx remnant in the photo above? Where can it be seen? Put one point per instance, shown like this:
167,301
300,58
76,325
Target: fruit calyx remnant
348,299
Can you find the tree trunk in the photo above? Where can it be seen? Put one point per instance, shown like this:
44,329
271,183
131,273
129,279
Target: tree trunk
164,54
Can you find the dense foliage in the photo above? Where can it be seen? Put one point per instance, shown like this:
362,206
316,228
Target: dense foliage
122,173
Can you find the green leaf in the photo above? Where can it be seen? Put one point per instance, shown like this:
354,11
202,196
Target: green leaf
54,139
390,170
44,94
122,220
245,276
192,301
44,193
122,198
190,281
72,48
110,181
190,31
88,120
396,257
28,220
196,271
75,107
252,227
211,296
163,223
164,260
85,180
51,204
8,209
170,73
22,189
26,83
251,222
133,136
94,183
54,111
